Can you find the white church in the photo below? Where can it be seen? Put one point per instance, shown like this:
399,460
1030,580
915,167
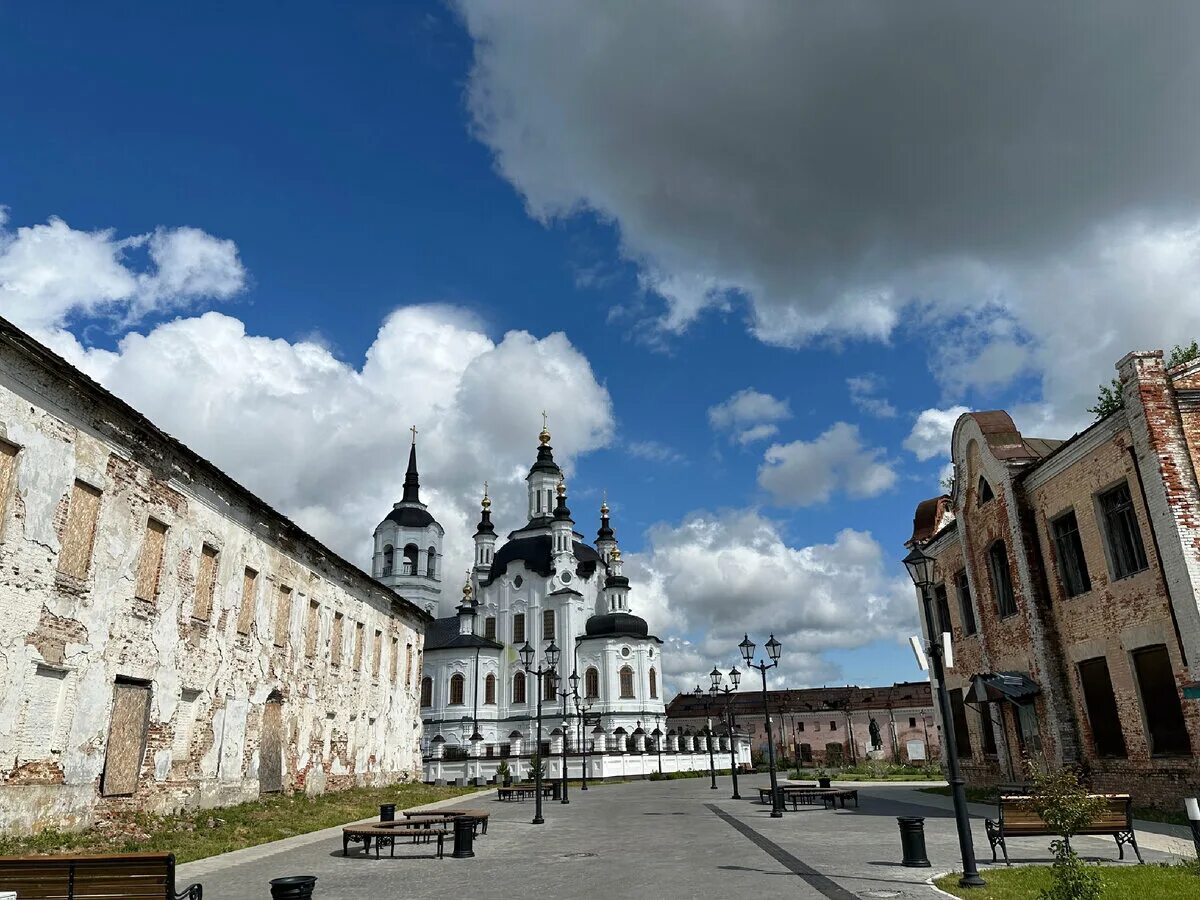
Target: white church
543,585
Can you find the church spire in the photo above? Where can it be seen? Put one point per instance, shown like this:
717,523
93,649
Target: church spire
412,482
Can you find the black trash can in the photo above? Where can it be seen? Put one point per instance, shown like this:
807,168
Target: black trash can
464,837
912,840
387,812
294,887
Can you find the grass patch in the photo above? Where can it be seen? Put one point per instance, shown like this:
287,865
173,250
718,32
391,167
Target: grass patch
1146,813
207,832
974,794
1162,882
874,770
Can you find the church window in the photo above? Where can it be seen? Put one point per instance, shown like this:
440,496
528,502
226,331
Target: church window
518,581
653,685
519,628
518,690
548,625
457,686
591,684
427,691
389,555
985,491
489,628
489,690
431,560
539,501
626,683
410,560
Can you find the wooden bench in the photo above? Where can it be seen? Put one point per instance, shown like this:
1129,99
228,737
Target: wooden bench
830,798
526,792
764,793
449,815
136,875
1015,818
388,832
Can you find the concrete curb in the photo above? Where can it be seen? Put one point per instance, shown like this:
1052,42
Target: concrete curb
194,871
937,890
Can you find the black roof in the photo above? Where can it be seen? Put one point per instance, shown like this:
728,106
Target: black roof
537,552
410,517
443,635
545,461
618,624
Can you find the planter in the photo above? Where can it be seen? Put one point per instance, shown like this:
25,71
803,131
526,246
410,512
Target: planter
823,782
294,887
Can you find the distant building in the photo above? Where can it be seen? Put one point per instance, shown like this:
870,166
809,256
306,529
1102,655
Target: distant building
825,726
1068,576
166,638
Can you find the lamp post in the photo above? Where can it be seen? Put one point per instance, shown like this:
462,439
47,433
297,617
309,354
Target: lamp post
736,678
920,567
706,700
582,709
551,667
773,650
658,738
567,695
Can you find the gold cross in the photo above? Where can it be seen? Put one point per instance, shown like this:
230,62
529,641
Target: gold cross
414,431
543,420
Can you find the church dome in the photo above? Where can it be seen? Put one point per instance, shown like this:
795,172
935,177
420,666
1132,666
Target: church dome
410,517
537,552
618,623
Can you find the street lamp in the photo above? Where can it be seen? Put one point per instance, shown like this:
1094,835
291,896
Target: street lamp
567,695
773,650
658,736
920,567
736,678
582,709
706,701
551,656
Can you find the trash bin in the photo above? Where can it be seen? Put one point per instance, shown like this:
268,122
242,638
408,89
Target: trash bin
294,887
387,812
464,837
912,840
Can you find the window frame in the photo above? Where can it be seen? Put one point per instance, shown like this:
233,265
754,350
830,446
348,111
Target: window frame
426,692
1147,730
1080,581
458,688
549,624
628,690
518,633
966,606
994,571
1090,709
1115,563
523,698
592,675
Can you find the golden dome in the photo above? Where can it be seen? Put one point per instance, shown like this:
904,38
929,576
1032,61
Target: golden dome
467,587
616,554
561,490
485,502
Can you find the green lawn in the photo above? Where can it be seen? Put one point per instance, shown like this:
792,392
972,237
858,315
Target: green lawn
207,832
1120,883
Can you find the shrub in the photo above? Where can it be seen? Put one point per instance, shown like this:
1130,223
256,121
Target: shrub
1066,807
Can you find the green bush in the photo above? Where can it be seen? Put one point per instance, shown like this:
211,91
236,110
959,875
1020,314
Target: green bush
1067,808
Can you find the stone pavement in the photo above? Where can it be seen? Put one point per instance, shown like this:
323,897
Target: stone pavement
669,839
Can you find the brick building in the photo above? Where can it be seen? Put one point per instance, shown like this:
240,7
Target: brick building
167,639
1067,574
826,725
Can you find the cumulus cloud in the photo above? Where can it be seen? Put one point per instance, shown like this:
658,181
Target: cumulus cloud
930,435
806,472
53,271
846,160
839,595
749,415
864,394
654,451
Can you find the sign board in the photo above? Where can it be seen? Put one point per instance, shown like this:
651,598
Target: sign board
591,720
916,751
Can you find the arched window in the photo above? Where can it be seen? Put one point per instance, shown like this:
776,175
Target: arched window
591,684
427,691
457,684
489,690
653,685
431,559
984,492
547,625
410,560
388,556
518,693
626,683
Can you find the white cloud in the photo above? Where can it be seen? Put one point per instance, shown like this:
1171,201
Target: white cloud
930,435
806,472
52,271
749,415
654,451
864,394
719,575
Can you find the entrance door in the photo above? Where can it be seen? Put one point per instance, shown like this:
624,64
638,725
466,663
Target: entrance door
126,738
270,748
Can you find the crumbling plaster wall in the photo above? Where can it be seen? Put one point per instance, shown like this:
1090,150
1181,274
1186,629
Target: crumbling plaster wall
341,726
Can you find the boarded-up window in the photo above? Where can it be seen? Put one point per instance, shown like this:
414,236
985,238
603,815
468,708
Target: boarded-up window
150,561
519,628
1101,705
1160,702
8,468
395,660
75,557
40,735
185,722
376,653
408,660
270,749
358,646
126,738
206,583
311,627
283,615
962,734
337,640
249,598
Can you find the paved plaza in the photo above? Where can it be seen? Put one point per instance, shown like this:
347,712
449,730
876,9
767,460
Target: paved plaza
676,839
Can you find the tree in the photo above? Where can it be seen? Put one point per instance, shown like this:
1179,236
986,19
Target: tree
1110,398
1067,809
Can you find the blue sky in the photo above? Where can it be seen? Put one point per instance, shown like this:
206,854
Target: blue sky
540,174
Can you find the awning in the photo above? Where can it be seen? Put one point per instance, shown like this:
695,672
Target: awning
991,687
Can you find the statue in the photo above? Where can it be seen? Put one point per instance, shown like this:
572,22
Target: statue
876,741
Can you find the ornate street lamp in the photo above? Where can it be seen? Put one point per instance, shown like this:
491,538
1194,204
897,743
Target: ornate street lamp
567,695
658,737
774,648
551,668
920,568
706,700
582,709
736,678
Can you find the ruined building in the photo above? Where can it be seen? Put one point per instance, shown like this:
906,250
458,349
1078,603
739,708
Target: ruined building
166,638
1068,575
